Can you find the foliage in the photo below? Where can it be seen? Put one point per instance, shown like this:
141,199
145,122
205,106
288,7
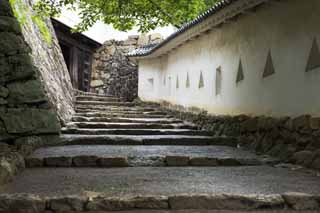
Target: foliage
125,14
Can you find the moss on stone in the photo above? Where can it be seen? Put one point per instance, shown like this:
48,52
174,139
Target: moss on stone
43,28
20,11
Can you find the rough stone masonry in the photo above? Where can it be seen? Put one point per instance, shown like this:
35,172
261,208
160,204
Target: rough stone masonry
113,72
35,89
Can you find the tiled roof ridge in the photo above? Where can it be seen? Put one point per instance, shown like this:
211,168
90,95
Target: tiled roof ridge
215,8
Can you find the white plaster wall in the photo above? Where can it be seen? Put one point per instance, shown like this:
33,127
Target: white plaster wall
287,28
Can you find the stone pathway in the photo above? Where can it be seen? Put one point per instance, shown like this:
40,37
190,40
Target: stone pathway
115,155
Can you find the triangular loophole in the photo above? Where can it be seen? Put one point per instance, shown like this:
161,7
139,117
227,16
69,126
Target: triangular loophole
314,57
240,75
177,83
201,82
269,68
188,81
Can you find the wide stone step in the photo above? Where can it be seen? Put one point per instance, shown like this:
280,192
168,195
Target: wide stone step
124,156
102,103
94,94
119,109
119,112
124,115
106,125
135,132
147,140
175,188
97,98
126,120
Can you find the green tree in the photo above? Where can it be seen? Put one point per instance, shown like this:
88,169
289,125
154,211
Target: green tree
125,14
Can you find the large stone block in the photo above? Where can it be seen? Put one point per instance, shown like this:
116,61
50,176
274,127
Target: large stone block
26,92
109,204
301,201
58,161
226,202
177,160
4,92
22,203
67,204
5,8
9,24
11,44
85,161
17,67
27,121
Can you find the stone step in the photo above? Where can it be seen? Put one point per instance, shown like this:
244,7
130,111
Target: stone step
147,140
102,103
95,94
80,131
168,188
126,120
97,98
127,115
106,125
119,111
135,156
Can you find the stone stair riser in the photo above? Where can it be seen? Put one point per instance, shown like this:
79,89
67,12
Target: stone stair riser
148,161
88,125
123,120
239,202
134,132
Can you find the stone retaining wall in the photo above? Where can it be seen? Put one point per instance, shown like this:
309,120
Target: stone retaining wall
113,73
293,140
35,89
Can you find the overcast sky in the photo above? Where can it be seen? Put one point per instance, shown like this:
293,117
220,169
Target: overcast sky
101,32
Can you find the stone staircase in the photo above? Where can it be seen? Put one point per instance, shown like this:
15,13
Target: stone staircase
122,156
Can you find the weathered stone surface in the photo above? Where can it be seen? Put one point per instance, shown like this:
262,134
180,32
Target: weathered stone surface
4,92
5,9
85,161
28,120
22,203
22,66
96,83
315,123
301,201
229,162
150,202
11,44
315,160
301,157
58,161
26,145
177,160
6,172
203,161
34,162
250,125
109,204
26,92
10,165
9,24
113,162
67,204
301,122
226,202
